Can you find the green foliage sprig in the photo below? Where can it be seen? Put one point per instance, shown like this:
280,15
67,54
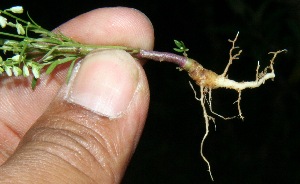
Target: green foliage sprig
34,48
181,47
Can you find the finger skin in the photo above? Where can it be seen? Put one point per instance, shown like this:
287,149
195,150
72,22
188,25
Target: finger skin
113,26
102,27
70,144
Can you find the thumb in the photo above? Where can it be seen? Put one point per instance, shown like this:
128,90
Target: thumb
90,130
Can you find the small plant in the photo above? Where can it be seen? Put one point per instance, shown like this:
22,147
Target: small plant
35,50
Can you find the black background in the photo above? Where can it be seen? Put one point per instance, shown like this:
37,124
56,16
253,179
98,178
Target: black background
260,149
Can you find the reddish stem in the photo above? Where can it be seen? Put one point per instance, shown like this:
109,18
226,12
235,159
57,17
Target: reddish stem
163,56
200,75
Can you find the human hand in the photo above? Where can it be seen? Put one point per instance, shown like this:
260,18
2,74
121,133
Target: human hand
86,131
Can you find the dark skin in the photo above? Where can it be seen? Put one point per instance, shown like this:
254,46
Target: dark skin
46,139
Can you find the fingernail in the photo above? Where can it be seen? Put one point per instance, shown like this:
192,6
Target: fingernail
105,82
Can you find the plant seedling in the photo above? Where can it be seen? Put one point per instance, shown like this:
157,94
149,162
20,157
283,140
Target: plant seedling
37,50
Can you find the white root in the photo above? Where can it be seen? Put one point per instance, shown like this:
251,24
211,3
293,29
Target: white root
221,81
211,110
231,56
206,119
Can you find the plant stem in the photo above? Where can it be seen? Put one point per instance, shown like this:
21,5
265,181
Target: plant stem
162,56
196,71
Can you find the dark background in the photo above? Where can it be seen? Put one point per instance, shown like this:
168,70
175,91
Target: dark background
260,149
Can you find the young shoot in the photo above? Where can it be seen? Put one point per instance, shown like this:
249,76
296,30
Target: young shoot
34,50
180,47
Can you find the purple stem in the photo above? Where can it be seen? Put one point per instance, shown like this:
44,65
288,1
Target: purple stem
163,56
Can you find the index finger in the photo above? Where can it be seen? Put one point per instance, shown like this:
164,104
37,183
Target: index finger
111,26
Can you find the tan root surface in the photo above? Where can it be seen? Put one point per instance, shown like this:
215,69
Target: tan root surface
209,80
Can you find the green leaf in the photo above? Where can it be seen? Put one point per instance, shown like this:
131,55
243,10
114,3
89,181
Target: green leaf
48,58
178,50
58,62
180,47
11,43
33,82
178,43
39,31
48,40
49,53
70,70
52,66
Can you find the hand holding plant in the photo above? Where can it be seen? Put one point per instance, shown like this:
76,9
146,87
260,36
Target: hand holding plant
88,147
37,50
